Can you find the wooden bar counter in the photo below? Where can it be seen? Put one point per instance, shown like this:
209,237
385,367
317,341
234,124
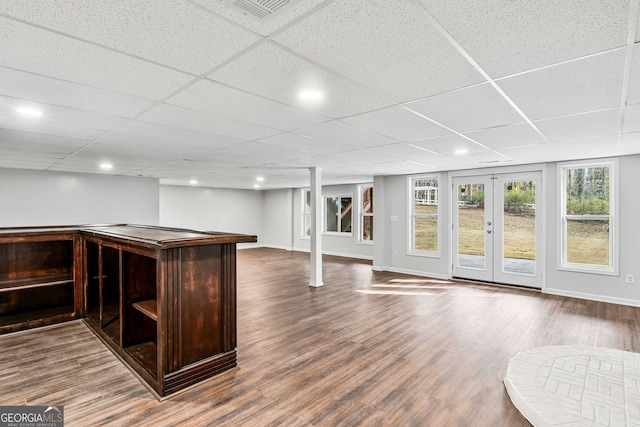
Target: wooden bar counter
163,299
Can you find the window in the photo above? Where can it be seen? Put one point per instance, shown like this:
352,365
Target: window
306,213
588,217
338,214
425,211
366,213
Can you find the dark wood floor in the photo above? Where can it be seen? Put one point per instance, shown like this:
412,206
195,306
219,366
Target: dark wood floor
368,348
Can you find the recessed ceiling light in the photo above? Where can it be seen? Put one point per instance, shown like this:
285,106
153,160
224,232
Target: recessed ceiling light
193,182
106,166
260,179
461,151
29,112
311,95
256,186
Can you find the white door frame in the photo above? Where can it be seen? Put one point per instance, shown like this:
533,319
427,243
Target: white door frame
539,281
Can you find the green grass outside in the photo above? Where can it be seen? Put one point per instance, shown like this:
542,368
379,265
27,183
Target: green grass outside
587,241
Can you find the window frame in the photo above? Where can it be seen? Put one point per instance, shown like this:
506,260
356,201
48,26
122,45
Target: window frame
411,235
362,214
340,196
563,264
304,234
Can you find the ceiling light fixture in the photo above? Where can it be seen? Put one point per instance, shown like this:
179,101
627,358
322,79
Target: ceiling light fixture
29,112
193,182
310,95
256,186
461,151
106,166
260,179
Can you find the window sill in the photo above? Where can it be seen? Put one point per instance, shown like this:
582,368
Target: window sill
580,268
335,233
424,254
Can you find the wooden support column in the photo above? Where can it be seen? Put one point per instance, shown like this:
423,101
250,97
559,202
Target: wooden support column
316,227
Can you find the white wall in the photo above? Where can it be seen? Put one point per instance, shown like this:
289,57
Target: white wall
392,200
53,198
392,192
213,209
597,286
278,219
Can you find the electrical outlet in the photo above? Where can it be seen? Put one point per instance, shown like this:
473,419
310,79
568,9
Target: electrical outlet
395,254
630,278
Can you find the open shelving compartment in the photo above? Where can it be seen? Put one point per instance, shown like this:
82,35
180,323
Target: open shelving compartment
28,269
140,310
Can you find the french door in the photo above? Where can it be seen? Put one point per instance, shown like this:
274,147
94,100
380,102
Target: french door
497,228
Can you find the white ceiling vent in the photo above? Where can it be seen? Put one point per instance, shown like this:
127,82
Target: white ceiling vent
260,9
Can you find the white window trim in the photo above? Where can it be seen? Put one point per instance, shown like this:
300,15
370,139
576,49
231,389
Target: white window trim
613,268
361,214
410,231
324,217
303,192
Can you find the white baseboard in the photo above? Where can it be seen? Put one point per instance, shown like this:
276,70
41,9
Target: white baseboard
285,248
592,297
411,272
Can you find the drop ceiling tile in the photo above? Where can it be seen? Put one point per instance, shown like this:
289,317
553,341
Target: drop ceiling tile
336,160
398,123
631,118
35,88
507,136
407,167
182,118
293,141
263,27
580,126
384,45
506,37
588,147
633,95
15,152
28,48
179,139
448,145
130,155
28,139
249,154
122,142
346,135
33,164
34,126
89,159
406,152
629,143
274,73
365,172
176,34
533,153
580,86
60,115
472,108
214,98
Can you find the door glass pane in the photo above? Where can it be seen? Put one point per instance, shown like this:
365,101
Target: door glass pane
588,241
471,230
519,234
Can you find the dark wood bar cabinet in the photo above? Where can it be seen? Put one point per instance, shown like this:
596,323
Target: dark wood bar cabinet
162,299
